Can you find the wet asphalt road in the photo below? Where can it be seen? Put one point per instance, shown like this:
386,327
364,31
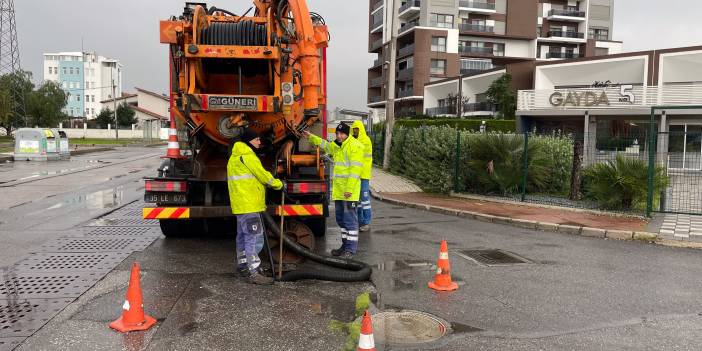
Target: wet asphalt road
578,294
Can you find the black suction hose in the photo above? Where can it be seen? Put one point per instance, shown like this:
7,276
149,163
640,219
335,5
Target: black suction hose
344,270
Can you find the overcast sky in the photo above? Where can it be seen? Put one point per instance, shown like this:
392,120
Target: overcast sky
128,30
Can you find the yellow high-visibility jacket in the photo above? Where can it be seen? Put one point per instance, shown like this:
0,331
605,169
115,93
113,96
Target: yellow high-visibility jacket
365,140
348,166
246,179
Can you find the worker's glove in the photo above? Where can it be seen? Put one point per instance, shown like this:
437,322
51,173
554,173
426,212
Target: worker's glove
285,187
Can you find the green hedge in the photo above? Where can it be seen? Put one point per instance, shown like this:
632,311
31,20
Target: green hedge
493,125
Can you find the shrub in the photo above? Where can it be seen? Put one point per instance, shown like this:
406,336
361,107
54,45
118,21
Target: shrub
622,184
505,126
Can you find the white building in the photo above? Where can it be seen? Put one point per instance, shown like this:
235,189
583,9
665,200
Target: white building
86,77
151,108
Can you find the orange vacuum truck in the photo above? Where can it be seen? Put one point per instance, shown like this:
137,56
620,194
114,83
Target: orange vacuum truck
264,69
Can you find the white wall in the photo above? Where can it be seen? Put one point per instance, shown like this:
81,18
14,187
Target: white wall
433,93
681,68
103,133
479,84
613,46
513,48
630,70
153,104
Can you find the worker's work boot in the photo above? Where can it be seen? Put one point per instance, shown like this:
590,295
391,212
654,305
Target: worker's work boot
243,272
259,279
346,255
338,252
364,228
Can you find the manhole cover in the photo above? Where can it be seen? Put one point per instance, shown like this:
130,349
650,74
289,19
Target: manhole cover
123,231
23,318
493,257
70,262
407,328
97,244
122,222
45,285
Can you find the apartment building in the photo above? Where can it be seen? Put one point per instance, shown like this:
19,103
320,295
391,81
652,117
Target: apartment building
440,39
86,77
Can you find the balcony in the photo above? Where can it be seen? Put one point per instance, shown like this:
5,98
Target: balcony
479,107
441,25
377,26
405,27
561,36
377,5
376,82
563,55
406,74
480,51
482,7
441,111
376,44
405,51
374,99
570,15
403,93
409,9
467,27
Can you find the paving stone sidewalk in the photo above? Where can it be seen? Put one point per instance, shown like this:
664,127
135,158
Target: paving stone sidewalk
384,182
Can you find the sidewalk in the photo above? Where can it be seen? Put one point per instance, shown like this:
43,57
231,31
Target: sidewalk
397,190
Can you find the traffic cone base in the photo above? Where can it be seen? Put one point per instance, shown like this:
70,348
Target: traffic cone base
365,339
442,279
120,326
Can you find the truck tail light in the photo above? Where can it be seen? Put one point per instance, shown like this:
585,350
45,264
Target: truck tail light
307,188
166,186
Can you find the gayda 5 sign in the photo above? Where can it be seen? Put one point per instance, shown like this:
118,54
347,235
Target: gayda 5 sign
590,98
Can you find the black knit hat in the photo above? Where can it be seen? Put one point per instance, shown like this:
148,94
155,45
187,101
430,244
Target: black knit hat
248,135
343,128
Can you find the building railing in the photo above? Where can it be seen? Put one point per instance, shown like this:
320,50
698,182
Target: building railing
377,62
468,27
407,26
476,4
409,4
407,50
405,74
563,55
565,34
376,98
377,5
376,44
376,82
441,25
568,13
377,24
475,50
610,97
441,110
403,93
479,107
600,37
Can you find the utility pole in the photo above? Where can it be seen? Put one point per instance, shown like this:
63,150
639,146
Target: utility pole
459,106
10,60
114,100
390,101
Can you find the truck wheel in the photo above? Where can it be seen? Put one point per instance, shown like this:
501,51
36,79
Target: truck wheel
318,226
180,228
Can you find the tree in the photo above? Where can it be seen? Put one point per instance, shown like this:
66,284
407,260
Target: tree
125,115
6,110
104,118
21,83
502,95
45,105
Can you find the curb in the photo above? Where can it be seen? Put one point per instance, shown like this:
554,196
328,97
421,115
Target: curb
543,226
91,150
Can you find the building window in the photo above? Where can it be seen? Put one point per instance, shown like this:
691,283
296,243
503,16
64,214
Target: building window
406,64
87,111
92,111
77,97
63,70
438,44
438,66
498,49
441,20
472,65
598,33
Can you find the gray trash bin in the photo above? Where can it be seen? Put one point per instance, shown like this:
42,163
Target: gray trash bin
64,148
30,145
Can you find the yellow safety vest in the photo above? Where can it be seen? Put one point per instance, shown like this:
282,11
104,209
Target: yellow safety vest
247,179
348,166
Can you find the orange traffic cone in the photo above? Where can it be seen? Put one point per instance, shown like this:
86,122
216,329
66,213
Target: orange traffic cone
442,279
365,340
133,317
173,144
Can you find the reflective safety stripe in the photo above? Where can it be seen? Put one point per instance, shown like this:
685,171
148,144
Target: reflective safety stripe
443,256
323,144
343,233
172,132
368,155
349,164
242,261
173,145
245,176
353,232
366,342
366,207
352,238
270,181
347,176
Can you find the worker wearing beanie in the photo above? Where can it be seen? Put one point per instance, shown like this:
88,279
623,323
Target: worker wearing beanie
347,154
364,208
247,180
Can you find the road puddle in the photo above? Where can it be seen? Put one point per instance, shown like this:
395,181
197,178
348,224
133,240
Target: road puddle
103,199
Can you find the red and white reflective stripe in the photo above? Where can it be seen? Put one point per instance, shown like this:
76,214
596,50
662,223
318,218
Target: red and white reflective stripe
172,131
173,145
443,256
366,342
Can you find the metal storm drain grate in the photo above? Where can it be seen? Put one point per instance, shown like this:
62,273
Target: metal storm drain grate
45,285
407,328
97,244
122,222
122,231
23,318
122,213
493,257
70,262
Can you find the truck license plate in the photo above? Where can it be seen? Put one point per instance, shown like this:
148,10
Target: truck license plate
165,198
232,103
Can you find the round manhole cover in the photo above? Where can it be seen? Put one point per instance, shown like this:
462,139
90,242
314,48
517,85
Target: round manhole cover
407,327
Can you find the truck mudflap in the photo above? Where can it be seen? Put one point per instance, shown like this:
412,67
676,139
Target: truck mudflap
298,210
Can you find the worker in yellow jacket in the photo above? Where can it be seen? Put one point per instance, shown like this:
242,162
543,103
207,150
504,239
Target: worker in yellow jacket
364,207
347,154
247,181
